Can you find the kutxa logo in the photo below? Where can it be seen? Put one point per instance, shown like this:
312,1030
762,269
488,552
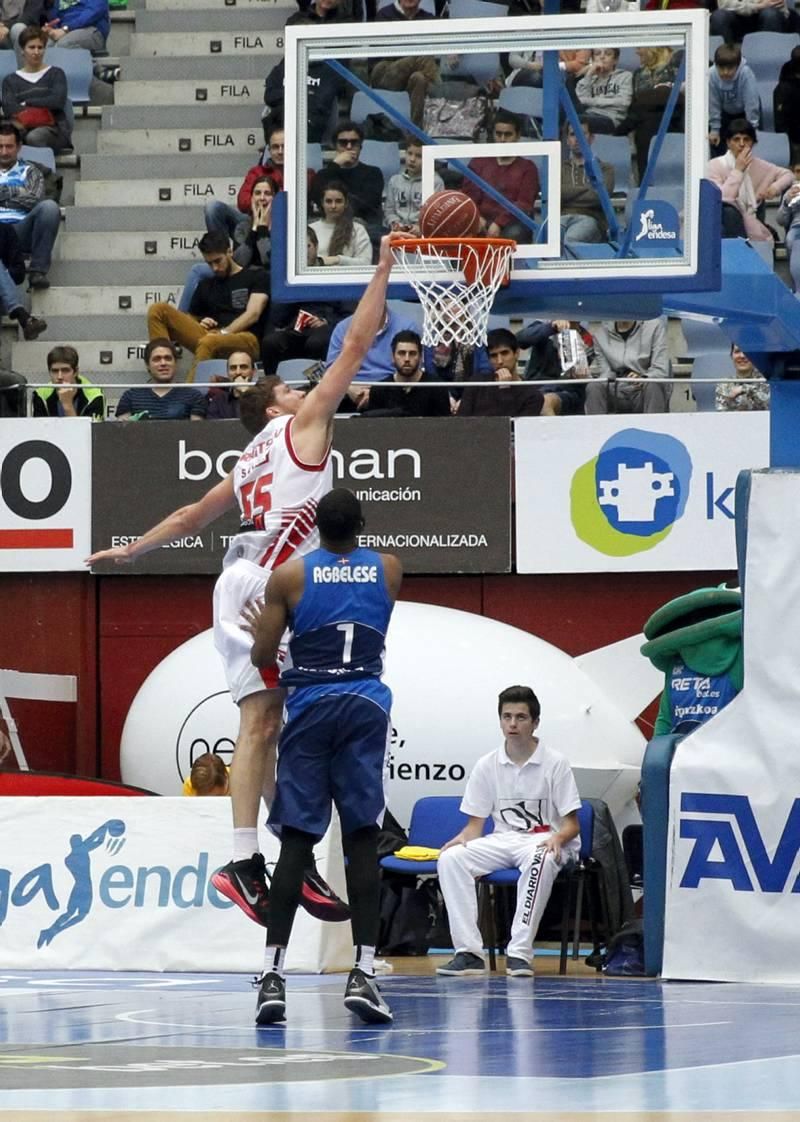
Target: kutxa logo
718,854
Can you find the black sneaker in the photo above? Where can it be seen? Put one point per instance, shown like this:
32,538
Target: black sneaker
463,963
319,899
518,967
38,280
33,327
362,997
244,882
271,1001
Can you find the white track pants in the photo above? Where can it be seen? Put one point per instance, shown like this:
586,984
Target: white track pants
460,866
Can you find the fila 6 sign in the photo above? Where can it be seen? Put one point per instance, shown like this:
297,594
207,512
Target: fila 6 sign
45,494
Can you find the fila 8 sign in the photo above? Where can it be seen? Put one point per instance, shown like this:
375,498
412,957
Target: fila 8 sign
45,494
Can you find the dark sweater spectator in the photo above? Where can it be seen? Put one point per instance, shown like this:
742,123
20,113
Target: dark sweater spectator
70,394
363,182
35,96
413,391
514,177
786,101
323,88
161,400
512,397
223,401
559,349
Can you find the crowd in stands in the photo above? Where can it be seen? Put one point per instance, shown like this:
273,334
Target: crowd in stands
225,310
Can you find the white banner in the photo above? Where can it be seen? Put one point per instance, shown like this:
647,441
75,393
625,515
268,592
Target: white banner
632,493
45,494
733,890
124,884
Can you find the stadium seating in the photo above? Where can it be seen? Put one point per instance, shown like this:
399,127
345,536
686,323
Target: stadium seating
77,66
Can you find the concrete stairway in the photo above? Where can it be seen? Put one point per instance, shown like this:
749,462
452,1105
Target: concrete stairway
185,127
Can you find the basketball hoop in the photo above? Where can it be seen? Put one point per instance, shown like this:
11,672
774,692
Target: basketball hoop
456,280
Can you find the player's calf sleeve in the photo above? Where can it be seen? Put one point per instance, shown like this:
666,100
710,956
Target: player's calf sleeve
363,883
287,883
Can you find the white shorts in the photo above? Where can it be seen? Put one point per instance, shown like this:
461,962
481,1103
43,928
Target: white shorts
240,582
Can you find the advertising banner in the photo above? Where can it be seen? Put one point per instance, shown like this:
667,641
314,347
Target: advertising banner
45,494
733,891
125,884
632,494
436,491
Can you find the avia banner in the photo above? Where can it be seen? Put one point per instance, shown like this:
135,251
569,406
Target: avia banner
733,883
436,491
646,493
125,884
45,489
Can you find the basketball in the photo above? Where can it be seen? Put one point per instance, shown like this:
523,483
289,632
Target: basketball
449,214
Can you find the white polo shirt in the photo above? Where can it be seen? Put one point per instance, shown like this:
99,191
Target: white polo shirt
527,798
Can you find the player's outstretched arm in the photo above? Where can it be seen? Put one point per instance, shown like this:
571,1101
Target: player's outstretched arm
271,623
181,523
323,401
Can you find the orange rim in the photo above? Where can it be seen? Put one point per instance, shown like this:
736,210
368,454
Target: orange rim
452,243
477,267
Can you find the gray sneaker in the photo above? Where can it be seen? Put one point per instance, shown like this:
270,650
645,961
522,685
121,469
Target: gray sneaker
363,998
518,968
463,964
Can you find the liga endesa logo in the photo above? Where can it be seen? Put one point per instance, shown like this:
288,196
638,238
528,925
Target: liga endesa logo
629,496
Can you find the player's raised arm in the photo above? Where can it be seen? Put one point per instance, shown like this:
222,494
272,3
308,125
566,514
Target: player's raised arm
185,521
323,401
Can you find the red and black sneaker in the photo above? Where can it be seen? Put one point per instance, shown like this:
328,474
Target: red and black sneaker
244,882
319,899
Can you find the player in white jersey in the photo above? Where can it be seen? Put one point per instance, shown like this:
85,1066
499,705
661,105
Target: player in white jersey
277,482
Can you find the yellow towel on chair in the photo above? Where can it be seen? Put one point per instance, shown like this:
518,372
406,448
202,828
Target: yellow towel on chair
416,853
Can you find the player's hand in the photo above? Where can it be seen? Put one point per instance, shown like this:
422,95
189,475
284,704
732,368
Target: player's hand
553,845
250,615
386,256
457,840
119,555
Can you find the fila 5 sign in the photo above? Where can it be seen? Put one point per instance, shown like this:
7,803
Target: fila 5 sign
45,494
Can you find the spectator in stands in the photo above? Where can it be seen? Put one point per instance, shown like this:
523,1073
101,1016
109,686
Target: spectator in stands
628,354
513,176
527,67
789,218
227,310
605,92
378,363
415,73
16,16
36,220
786,100
341,238
161,400
559,349
732,92
209,776
223,401
652,89
12,404
301,330
78,23
320,11
323,89
514,398
364,183
70,394
737,397
35,97
746,183
12,273
404,192
733,19
397,398
220,217
252,242
582,216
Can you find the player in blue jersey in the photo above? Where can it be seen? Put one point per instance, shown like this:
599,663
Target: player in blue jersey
337,602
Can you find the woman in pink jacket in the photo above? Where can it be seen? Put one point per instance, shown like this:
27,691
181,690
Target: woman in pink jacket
746,183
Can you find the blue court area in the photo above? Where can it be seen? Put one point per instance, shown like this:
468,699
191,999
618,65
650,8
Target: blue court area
482,1047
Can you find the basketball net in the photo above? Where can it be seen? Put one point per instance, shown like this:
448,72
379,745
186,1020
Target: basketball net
456,280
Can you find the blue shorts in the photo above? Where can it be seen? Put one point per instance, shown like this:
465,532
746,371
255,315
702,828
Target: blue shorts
332,751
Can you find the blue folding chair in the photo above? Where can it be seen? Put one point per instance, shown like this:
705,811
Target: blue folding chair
573,876
293,369
76,62
710,365
384,154
364,106
46,157
209,368
435,819
773,147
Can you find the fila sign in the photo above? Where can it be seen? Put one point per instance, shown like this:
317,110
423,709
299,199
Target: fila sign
45,494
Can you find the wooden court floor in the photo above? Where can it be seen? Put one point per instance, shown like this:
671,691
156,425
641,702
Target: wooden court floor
78,1047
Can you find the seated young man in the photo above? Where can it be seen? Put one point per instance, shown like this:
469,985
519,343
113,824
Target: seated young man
529,790
227,310
521,400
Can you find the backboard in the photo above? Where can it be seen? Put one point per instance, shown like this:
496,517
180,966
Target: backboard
658,235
